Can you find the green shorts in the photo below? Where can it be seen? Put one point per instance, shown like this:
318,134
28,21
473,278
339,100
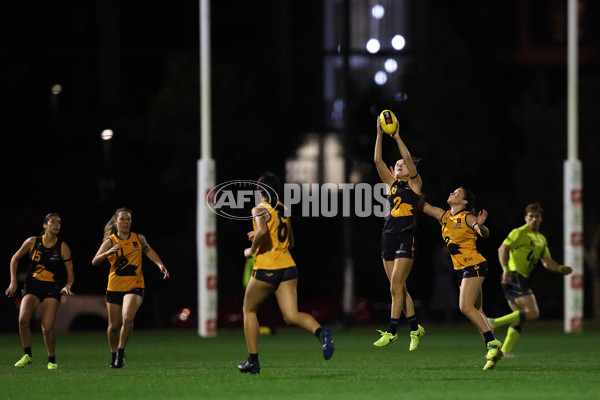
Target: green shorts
517,287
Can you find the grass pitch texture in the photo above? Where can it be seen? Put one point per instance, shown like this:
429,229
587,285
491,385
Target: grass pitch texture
550,364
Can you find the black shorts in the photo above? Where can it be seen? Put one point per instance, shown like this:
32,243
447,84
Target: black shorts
41,289
472,271
117,297
275,276
397,245
518,287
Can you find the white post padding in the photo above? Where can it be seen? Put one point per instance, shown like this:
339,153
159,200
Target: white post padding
207,251
573,246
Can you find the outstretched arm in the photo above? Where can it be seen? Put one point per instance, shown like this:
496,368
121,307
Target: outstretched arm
408,161
434,212
382,169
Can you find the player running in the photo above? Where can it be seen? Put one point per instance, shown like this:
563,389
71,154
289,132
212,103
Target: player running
519,253
123,249
274,272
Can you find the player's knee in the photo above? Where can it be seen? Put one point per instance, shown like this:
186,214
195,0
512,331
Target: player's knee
249,310
396,290
112,328
466,309
289,318
24,323
532,314
127,320
47,329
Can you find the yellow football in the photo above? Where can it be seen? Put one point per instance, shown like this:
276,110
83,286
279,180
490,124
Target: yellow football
388,122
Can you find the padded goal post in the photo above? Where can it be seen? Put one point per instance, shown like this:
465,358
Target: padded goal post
573,246
207,251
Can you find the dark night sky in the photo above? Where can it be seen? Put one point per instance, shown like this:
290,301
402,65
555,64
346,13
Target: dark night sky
482,112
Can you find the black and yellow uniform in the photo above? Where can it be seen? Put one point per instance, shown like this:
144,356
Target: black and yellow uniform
45,265
275,264
397,239
460,239
126,264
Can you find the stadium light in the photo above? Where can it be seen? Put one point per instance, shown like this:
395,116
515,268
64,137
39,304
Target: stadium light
398,42
390,65
378,11
373,46
380,78
56,89
107,134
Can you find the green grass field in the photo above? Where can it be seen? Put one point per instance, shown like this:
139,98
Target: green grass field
180,365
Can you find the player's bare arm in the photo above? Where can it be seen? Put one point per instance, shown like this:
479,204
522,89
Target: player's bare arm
14,263
104,251
66,255
478,223
503,255
432,211
261,233
153,256
382,169
552,265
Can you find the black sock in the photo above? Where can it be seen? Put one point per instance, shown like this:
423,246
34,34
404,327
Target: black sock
412,323
318,333
488,337
52,359
113,357
27,350
393,328
516,327
253,358
120,353
522,316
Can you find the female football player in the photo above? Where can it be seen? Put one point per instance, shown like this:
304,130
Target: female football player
398,236
274,272
460,228
125,291
48,258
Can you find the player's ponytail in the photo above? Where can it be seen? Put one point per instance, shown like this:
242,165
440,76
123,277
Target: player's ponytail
111,225
47,218
470,198
268,188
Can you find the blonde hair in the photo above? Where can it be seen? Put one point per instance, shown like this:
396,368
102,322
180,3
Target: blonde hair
111,225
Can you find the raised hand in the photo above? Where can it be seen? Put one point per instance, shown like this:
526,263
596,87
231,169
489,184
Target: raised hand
482,217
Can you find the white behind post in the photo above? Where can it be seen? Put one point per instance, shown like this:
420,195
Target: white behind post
206,224
573,198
